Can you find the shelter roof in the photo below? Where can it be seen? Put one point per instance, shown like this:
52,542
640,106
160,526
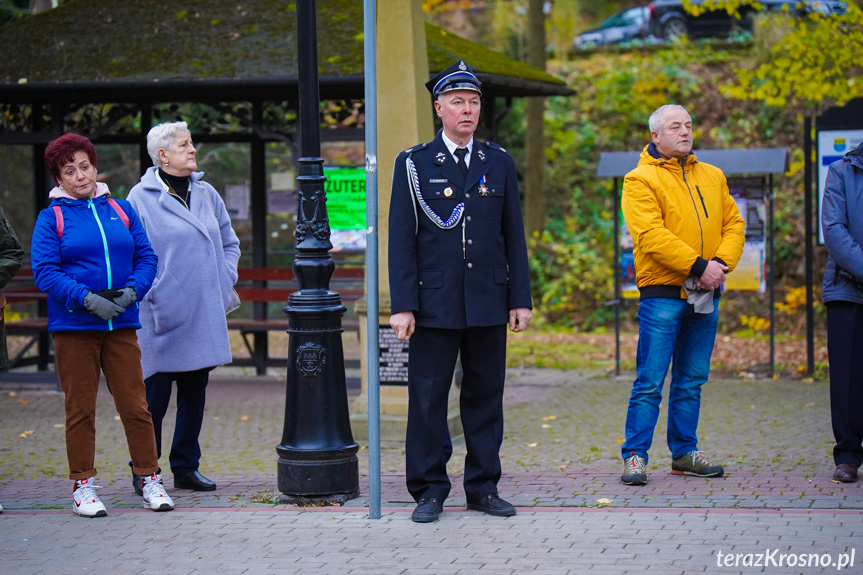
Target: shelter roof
92,46
731,162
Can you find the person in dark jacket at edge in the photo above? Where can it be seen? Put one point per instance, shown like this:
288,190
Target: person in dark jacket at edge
11,257
458,276
842,224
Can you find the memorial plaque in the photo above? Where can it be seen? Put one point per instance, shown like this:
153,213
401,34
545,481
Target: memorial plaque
393,357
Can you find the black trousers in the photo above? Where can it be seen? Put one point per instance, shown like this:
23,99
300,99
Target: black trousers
191,396
433,354
845,351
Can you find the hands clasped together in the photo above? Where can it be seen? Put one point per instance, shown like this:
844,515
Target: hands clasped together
108,304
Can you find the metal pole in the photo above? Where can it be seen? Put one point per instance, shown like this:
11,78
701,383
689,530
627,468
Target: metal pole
807,217
317,456
372,314
771,277
617,272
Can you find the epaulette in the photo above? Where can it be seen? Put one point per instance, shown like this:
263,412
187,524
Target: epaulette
416,148
494,146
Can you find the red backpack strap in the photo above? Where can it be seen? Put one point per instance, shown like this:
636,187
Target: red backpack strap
120,212
58,213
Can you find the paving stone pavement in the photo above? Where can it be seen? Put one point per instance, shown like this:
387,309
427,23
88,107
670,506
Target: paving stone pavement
561,462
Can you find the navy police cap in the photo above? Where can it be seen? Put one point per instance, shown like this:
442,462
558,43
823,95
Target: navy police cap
459,76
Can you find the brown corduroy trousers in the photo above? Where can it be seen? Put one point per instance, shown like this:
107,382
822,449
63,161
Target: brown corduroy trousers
80,357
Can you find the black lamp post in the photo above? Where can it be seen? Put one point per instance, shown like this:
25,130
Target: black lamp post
317,455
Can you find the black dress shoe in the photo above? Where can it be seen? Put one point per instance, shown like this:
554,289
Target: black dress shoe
845,473
427,511
493,505
194,481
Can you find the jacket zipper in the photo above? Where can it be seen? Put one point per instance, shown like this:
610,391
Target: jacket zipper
697,215
703,205
107,255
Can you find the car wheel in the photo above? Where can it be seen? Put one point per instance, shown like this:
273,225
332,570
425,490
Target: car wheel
674,28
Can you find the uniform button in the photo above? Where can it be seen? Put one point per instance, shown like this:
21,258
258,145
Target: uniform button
467,195
468,218
438,193
421,283
470,242
469,265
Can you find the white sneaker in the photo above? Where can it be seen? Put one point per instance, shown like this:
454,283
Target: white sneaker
1,509
154,494
85,501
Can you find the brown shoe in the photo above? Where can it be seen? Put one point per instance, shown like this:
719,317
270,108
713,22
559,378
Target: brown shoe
845,473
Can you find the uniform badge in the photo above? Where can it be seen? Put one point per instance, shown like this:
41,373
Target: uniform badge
483,189
461,66
481,155
440,158
447,192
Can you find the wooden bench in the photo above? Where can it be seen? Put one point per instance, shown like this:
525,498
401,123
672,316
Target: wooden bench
255,285
22,289
258,286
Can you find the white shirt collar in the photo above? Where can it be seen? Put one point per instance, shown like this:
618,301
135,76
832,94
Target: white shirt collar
452,146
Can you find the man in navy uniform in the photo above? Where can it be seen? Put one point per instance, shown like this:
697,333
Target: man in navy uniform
458,275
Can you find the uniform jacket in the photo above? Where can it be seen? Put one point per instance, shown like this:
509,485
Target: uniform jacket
183,317
842,223
97,252
470,275
679,219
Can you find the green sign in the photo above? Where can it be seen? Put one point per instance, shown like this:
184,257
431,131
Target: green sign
346,198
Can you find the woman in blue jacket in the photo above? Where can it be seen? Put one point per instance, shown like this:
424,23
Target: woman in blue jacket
91,255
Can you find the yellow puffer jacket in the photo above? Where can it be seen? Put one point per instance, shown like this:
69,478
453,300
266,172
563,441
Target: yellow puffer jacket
679,219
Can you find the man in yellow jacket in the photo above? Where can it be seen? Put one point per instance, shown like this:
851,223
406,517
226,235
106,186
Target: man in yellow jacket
687,234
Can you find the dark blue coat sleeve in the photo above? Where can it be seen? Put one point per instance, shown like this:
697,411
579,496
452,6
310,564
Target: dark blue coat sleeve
516,246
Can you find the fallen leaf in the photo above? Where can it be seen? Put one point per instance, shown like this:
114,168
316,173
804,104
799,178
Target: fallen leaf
810,404
216,418
26,433
13,394
549,418
59,426
23,401
244,418
116,418
532,444
546,426
619,440
604,501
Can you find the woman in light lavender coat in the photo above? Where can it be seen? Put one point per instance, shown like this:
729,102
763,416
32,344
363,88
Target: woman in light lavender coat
184,333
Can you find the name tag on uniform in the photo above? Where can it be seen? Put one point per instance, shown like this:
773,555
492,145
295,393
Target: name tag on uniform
438,181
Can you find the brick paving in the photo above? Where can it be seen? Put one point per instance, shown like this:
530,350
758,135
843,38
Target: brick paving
561,466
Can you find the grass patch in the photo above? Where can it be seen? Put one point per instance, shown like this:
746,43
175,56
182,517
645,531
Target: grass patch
534,352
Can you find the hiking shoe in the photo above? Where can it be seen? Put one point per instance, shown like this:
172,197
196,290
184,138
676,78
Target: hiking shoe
634,470
694,463
85,502
155,496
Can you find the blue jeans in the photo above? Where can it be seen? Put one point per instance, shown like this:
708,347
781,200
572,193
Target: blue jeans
669,331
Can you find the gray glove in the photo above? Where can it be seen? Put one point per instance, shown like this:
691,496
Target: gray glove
101,307
127,297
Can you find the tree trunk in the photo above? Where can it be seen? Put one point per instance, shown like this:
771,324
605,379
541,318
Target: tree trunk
534,196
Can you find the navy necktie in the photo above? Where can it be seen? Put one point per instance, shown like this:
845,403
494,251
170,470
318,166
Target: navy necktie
462,165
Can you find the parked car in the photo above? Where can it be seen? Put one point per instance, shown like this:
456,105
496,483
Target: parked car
667,19
621,27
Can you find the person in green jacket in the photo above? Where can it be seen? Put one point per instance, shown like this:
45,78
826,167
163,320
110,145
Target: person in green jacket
11,256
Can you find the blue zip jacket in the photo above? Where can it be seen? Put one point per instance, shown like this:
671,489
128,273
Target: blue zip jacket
97,252
842,222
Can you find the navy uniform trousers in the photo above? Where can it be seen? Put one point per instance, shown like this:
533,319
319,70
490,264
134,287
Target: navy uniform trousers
430,373
845,351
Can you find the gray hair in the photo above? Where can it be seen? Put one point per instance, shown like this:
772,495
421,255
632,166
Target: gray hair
162,136
656,120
